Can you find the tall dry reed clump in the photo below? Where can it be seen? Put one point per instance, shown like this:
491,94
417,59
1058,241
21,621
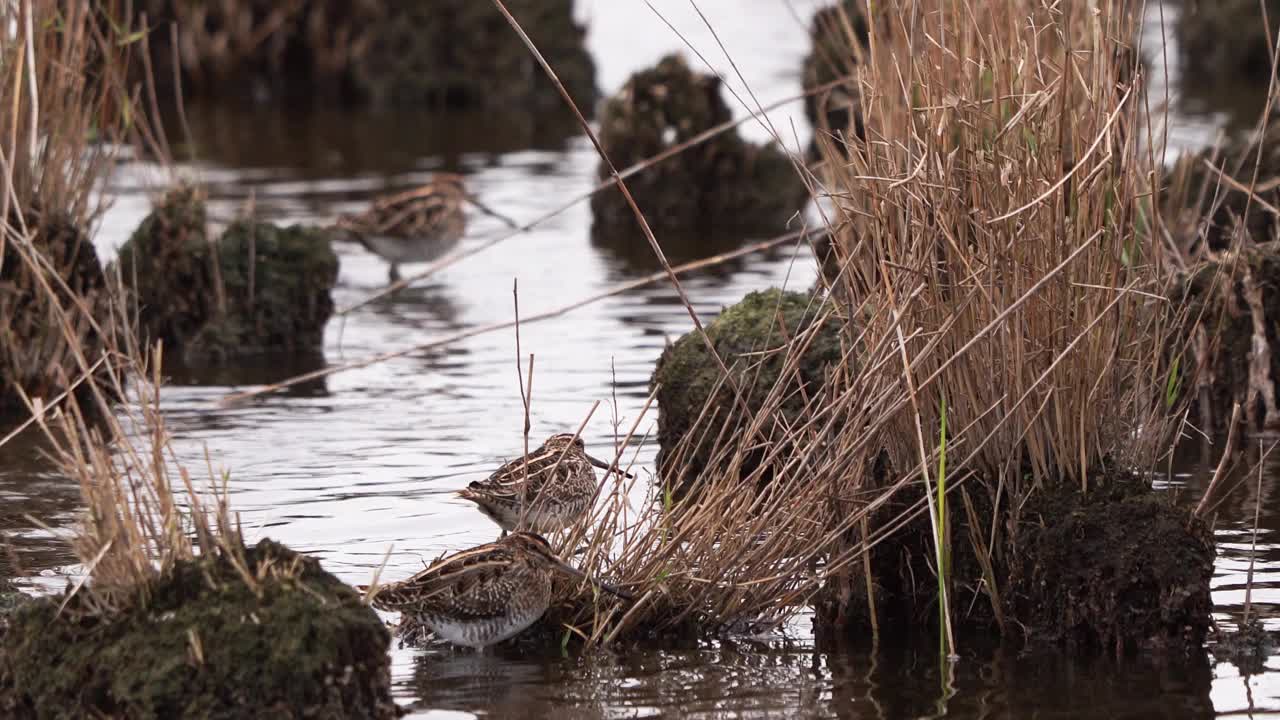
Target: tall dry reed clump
1006,360
64,111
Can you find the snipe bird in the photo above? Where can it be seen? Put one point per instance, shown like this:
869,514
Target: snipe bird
484,595
549,489
418,225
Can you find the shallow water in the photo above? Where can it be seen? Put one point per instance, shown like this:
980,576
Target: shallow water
346,467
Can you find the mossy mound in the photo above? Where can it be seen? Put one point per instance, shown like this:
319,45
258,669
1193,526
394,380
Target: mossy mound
833,34
1119,568
35,355
1224,39
166,262
204,644
277,283
686,374
456,54
267,294
1234,305
725,183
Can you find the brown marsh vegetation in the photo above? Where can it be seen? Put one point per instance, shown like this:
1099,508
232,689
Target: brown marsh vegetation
999,289
1005,332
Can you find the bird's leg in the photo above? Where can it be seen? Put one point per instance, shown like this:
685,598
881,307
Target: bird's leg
394,273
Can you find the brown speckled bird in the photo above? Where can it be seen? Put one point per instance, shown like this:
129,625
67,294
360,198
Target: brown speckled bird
484,595
549,489
418,225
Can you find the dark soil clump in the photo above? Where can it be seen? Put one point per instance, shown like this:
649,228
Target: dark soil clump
268,293
725,183
205,644
35,355
687,375
1117,569
1121,568
1246,647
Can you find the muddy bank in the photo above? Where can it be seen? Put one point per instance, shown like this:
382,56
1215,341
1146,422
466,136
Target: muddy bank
725,184
445,53
688,378
1116,569
258,290
36,357
204,642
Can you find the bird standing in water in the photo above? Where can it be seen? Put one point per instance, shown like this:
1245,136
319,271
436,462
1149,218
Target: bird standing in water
484,595
418,225
549,489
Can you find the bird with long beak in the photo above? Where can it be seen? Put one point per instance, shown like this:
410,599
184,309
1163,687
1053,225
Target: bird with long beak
484,595
549,489
418,225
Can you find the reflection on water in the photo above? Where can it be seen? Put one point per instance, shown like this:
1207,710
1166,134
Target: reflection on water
369,458
844,682
326,142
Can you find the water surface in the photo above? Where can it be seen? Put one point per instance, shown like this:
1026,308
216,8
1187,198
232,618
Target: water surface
364,460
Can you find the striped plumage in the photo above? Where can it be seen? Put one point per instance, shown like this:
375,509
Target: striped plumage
418,225
484,595
549,489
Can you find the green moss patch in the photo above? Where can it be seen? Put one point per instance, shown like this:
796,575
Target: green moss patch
687,376
205,644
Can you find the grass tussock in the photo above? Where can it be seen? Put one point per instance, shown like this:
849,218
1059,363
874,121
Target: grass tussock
65,111
1003,323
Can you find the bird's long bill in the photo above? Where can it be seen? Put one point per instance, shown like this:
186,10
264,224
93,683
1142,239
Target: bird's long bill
602,585
606,466
490,211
